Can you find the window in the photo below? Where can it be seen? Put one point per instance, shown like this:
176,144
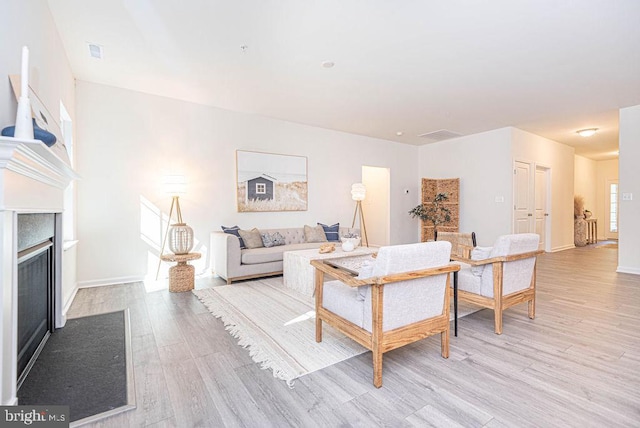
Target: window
613,208
261,188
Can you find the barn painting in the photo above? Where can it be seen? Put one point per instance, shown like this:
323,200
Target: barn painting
270,182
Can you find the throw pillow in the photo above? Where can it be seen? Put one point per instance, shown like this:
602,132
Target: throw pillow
272,239
331,232
251,238
314,234
233,230
479,253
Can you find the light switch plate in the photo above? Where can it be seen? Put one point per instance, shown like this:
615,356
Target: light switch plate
499,198
627,196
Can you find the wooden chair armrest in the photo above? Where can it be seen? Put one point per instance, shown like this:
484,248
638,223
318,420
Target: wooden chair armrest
405,276
341,275
352,281
509,258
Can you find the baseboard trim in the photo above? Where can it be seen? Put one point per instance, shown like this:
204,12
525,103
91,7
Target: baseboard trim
110,281
563,248
625,269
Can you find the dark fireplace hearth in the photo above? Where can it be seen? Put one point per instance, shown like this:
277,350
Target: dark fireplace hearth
36,237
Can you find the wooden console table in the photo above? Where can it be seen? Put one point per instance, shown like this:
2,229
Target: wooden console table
182,275
592,230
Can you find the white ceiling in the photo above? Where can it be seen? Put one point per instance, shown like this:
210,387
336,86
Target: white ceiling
550,67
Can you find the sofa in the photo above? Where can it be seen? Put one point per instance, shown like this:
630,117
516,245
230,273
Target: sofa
232,263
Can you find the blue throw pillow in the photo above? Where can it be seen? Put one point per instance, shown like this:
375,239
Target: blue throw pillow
234,231
332,232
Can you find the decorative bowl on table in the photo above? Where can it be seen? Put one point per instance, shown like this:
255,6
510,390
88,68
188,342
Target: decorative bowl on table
355,241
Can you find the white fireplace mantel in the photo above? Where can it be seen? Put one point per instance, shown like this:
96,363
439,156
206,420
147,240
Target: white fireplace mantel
33,159
32,179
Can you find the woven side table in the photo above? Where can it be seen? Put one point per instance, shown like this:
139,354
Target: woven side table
182,275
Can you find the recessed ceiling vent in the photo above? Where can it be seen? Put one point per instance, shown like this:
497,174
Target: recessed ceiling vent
95,50
442,134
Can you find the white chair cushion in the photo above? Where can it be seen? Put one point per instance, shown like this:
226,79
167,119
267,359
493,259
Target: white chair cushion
344,301
480,253
410,301
516,275
468,281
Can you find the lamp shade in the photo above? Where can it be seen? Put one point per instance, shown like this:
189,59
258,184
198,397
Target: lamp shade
358,191
174,184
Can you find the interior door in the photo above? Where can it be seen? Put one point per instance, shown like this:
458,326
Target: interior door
522,198
541,202
611,211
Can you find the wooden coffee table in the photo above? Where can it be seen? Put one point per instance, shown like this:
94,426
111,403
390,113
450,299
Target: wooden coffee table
299,275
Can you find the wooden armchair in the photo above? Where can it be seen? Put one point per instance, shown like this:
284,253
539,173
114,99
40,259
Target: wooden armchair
501,276
398,299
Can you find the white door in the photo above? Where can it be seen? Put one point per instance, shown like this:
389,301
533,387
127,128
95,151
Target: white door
377,204
541,201
611,211
522,198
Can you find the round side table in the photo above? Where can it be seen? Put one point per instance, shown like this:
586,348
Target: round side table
182,275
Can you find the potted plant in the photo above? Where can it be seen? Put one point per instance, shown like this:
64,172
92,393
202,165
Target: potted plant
435,211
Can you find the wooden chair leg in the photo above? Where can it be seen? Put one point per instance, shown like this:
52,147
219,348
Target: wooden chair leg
319,277
444,343
377,368
497,315
532,308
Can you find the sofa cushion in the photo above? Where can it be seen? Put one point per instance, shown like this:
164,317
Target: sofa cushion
233,230
314,234
261,255
331,232
251,238
274,239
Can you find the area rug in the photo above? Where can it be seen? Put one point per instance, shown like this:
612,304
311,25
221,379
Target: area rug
277,325
87,366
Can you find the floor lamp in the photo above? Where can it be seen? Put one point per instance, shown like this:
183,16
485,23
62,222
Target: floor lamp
358,192
175,185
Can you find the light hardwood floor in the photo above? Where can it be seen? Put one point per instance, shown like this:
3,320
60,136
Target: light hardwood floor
576,365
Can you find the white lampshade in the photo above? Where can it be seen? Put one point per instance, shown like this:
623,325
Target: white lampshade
175,184
358,191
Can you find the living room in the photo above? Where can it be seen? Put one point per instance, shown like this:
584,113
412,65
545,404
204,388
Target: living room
126,141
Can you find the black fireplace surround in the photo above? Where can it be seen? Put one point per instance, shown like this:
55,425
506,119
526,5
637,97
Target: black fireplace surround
36,234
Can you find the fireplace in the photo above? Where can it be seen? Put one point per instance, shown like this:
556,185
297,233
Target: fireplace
32,183
36,237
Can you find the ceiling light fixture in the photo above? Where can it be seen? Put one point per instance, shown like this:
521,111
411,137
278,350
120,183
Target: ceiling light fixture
399,133
587,132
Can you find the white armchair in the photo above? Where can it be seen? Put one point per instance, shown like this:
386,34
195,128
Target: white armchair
401,298
501,276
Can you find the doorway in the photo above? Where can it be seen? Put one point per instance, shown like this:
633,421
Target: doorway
531,201
611,210
377,204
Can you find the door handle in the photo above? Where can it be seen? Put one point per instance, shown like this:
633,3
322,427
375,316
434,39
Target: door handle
530,215
546,214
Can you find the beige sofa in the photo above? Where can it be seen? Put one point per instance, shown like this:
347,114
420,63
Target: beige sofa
233,264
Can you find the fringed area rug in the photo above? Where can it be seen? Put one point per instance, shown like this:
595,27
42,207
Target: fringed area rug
277,325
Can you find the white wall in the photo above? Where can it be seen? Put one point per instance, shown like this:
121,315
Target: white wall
629,226
585,182
605,171
484,165
128,140
560,158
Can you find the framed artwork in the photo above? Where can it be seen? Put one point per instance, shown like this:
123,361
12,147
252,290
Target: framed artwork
270,182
